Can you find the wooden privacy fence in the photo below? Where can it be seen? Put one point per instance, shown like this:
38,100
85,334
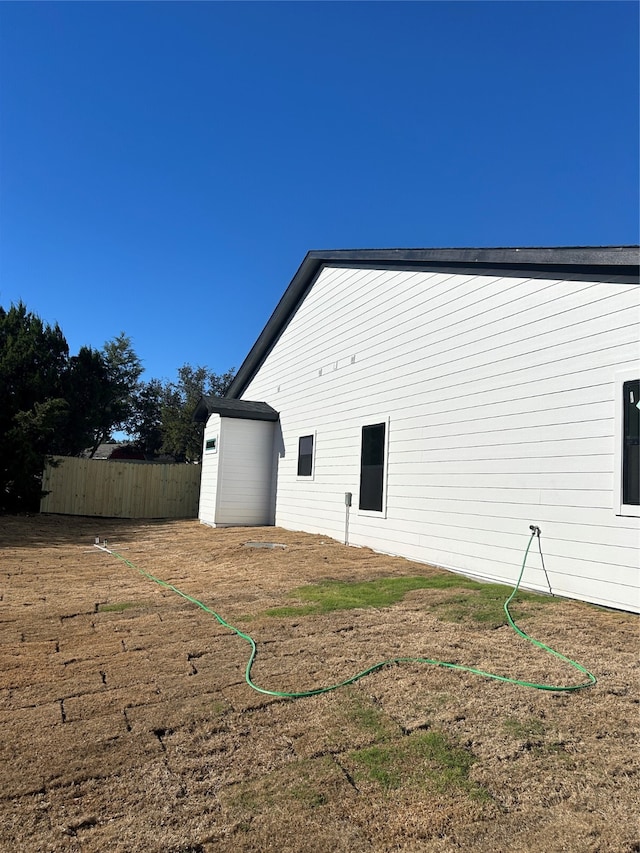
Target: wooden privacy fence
115,489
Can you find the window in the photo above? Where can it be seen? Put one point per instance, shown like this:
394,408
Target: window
631,442
627,457
211,444
305,456
372,467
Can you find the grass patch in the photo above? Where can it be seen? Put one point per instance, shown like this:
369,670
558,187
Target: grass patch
350,720
368,718
118,607
476,601
524,729
427,760
486,605
338,595
355,713
308,796
303,784
532,732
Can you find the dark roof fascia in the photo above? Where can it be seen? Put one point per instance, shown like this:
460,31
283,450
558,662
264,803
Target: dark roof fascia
231,408
583,263
300,285
593,256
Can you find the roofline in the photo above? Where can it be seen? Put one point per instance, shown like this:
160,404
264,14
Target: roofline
588,263
581,255
233,408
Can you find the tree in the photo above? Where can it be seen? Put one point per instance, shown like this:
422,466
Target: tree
55,404
123,371
30,440
88,391
145,424
181,437
33,357
162,418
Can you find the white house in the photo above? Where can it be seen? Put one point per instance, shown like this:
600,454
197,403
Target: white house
458,396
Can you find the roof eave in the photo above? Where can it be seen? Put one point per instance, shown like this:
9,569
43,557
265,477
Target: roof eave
243,410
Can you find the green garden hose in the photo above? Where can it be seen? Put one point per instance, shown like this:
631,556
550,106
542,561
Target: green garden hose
591,679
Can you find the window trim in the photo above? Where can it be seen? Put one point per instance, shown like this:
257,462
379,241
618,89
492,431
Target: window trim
619,507
215,439
307,477
373,513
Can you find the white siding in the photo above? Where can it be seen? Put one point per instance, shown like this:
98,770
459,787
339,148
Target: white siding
237,479
500,398
209,480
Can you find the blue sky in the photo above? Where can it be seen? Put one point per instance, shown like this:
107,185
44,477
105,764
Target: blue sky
164,167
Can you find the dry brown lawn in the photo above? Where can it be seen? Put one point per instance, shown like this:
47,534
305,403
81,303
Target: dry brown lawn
127,724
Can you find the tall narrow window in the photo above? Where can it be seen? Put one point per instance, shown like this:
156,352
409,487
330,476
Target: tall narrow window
631,443
372,467
305,456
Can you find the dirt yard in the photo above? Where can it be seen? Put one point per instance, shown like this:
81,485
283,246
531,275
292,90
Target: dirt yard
127,724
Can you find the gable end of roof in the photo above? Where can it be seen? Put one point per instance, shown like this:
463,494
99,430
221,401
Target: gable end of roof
583,263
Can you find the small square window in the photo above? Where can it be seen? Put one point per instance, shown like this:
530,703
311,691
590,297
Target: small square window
305,456
211,444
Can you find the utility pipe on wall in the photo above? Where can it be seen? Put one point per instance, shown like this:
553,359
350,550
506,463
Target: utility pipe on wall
347,503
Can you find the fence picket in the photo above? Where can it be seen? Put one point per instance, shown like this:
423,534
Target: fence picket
116,489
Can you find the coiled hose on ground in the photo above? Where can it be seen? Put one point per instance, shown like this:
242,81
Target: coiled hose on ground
591,679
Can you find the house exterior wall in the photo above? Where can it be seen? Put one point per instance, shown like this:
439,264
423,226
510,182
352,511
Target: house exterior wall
209,479
499,399
237,477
